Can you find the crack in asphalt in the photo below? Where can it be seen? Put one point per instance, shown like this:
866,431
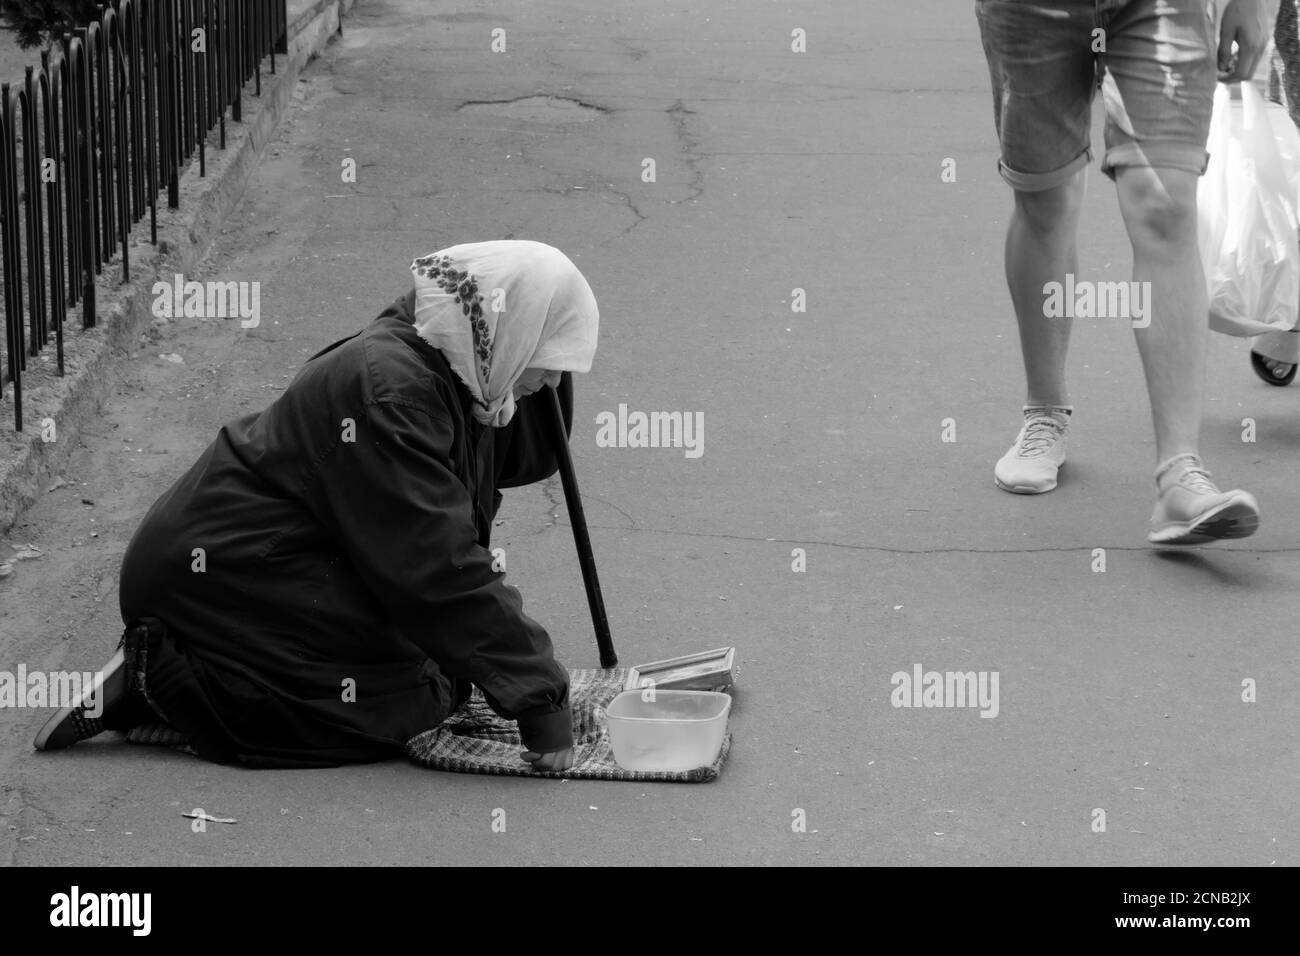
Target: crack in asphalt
535,96
631,205
632,526
28,806
680,115
554,503
635,51
848,546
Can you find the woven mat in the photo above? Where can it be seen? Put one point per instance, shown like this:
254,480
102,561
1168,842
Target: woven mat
475,740
159,735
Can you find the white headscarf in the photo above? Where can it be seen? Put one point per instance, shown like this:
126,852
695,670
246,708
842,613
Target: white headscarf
496,308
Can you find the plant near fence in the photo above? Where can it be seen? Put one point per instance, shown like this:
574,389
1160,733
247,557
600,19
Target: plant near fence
41,22
89,140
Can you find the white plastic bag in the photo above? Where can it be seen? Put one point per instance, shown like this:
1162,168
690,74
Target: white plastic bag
1247,202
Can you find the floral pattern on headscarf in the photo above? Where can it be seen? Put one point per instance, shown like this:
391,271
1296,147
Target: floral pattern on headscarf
540,314
464,287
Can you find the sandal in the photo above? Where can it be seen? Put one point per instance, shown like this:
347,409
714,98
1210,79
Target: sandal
1267,369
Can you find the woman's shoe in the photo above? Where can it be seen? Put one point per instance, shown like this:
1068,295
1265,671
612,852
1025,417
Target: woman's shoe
1267,369
74,722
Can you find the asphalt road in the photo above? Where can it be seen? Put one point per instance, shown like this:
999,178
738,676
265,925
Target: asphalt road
775,171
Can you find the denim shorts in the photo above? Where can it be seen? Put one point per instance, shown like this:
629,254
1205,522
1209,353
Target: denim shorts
1157,74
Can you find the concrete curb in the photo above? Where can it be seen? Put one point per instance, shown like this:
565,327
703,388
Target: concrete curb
30,460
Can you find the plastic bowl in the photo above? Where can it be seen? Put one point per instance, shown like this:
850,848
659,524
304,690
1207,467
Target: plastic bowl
677,730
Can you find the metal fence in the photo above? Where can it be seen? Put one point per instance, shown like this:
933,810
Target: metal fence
89,142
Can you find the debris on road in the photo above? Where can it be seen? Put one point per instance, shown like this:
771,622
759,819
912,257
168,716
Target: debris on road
204,815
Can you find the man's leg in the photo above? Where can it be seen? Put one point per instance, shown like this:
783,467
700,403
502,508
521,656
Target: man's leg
1042,71
1159,209
1042,247
1160,72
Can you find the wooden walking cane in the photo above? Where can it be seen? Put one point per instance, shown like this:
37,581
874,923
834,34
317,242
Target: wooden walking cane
580,537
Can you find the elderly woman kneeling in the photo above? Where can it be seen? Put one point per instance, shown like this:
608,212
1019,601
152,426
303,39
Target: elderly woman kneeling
317,588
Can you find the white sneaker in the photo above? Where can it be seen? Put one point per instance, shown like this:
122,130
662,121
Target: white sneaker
1030,466
1190,509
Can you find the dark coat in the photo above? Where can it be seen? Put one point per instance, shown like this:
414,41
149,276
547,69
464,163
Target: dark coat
344,539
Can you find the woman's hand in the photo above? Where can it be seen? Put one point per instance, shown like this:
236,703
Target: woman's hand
555,761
